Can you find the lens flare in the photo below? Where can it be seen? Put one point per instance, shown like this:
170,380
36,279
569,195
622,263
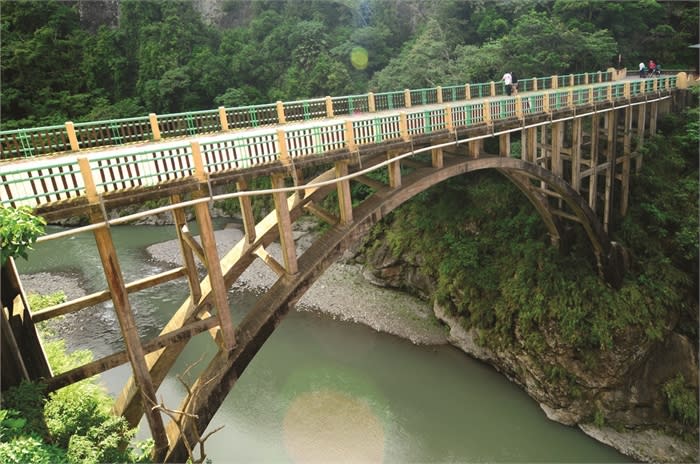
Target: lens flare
359,58
331,426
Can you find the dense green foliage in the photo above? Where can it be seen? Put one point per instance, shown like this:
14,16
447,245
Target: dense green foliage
487,250
19,229
72,425
682,401
163,58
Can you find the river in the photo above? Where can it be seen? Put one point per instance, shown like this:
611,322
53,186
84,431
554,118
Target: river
320,389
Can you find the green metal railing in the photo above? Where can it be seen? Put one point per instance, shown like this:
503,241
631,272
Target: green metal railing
32,142
37,184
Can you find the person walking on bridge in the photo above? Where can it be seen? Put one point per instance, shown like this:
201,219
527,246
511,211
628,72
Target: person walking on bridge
507,82
642,70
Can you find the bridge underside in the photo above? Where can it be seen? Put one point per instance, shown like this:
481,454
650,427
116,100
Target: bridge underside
574,167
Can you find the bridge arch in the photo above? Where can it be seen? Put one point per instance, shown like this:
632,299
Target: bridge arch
225,368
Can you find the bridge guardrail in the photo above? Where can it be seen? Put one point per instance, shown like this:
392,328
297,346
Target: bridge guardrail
27,143
36,184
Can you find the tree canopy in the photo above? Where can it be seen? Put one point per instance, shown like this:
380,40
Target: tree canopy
163,57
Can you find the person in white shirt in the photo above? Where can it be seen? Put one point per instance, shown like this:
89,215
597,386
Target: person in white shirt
642,69
508,82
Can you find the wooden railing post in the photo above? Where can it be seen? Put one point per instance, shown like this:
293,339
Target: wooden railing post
350,136
682,80
88,180
329,107
545,102
72,137
467,92
519,107
534,84
371,103
585,78
282,144
403,127
439,94
555,82
487,112
394,171
155,129
223,119
449,125
199,172
407,97
493,89
280,113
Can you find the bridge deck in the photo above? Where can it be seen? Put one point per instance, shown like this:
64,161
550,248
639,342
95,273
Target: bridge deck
52,179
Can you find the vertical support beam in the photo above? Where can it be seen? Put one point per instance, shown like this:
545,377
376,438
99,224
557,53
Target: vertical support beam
216,278
344,195
407,97
329,107
555,82
467,91
519,107
187,256
155,129
611,147
438,160
493,89
544,155
223,119
593,178
557,133
545,102
653,117
371,102
576,139
439,94
394,171
72,137
641,129
487,112
475,148
504,144
246,212
127,325
284,223
626,152
534,84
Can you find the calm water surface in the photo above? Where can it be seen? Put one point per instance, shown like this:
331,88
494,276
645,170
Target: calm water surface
322,390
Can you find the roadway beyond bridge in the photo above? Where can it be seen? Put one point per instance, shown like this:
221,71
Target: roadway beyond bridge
579,138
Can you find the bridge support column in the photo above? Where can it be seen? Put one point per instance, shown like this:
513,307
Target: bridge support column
187,255
504,144
626,153
122,308
127,324
437,158
653,116
344,196
593,177
529,144
475,147
216,278
556,146
284,223
576,139
611,163
641,129
394,170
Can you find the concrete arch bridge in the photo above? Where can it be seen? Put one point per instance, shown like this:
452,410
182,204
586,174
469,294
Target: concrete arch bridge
579,145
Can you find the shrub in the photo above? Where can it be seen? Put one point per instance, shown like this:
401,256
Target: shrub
19,229
681,401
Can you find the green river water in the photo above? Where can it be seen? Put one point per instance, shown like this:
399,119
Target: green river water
321,390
